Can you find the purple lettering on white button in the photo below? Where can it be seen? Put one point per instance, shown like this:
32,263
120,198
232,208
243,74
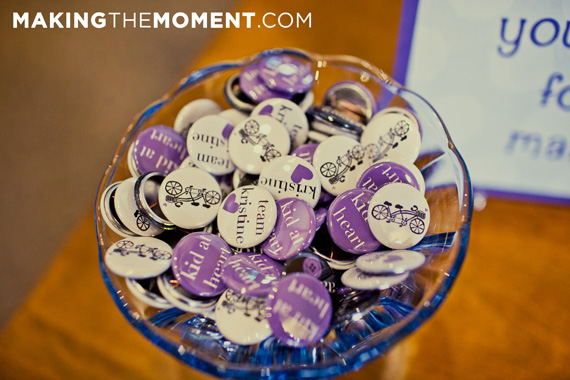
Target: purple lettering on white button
255,88
158,148
285,73
299,310
251,274
198,261
294,230
347,222
385,172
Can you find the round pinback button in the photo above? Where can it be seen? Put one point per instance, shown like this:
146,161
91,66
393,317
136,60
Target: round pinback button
347,222
286,74
291,177
181,298
138,257
128,212
287,113
401,111
247,216
193,111
257,141
255,88
306,152
391,171
340,161
241,178
109,214
233,116
251,274
398,216
157,148
208,144
241,319
310,264
352,99
321,215
357,279
395,262
299,310
197,263
392,135
294,230
190,198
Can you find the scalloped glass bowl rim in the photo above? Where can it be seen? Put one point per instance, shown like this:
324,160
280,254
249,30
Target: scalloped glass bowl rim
355,361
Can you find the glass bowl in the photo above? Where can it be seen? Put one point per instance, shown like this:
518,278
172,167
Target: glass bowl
347,347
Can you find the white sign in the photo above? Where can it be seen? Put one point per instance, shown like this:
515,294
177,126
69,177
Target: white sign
498,73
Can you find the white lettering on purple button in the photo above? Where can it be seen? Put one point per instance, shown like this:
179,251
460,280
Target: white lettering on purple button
158,148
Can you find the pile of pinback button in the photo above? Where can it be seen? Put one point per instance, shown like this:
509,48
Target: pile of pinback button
276,217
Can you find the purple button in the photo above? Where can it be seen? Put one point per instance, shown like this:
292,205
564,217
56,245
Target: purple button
198,261
347,222
286,74
308,263
251,274
158,148
255,88
299,310
306,152
321,215
385,172
294,231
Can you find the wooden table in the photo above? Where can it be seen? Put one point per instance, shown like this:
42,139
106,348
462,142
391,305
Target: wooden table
507,316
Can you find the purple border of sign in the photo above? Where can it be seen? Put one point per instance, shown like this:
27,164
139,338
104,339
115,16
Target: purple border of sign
400,70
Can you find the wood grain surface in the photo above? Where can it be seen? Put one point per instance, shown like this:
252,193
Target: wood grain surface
506,317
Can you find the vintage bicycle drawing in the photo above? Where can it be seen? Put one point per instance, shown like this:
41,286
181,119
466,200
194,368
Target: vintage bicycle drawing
388,140
127,247
143,223
413,217
178,195
335,171
250,134
250,306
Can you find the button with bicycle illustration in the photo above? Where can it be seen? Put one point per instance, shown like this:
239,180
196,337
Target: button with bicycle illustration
287,113
398,216
395,261
390,170
241,318
290,176
247,216
294,230
138,257
347,222
208,144
197,263
340,161
401,111
392,135
190,198
157,148
286,74
128,212
257,141
193,111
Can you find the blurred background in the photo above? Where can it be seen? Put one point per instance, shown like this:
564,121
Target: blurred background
68,96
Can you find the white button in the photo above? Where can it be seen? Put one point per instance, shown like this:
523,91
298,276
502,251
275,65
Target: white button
340,161
287,113
257,141
291,177
109,213
307,102
392,135
398,215
398,110
241,319
193,111
187,163
139,257
129,213
233,116
146,291
247,216
356,279
190,198
208,145
181,298
396,262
